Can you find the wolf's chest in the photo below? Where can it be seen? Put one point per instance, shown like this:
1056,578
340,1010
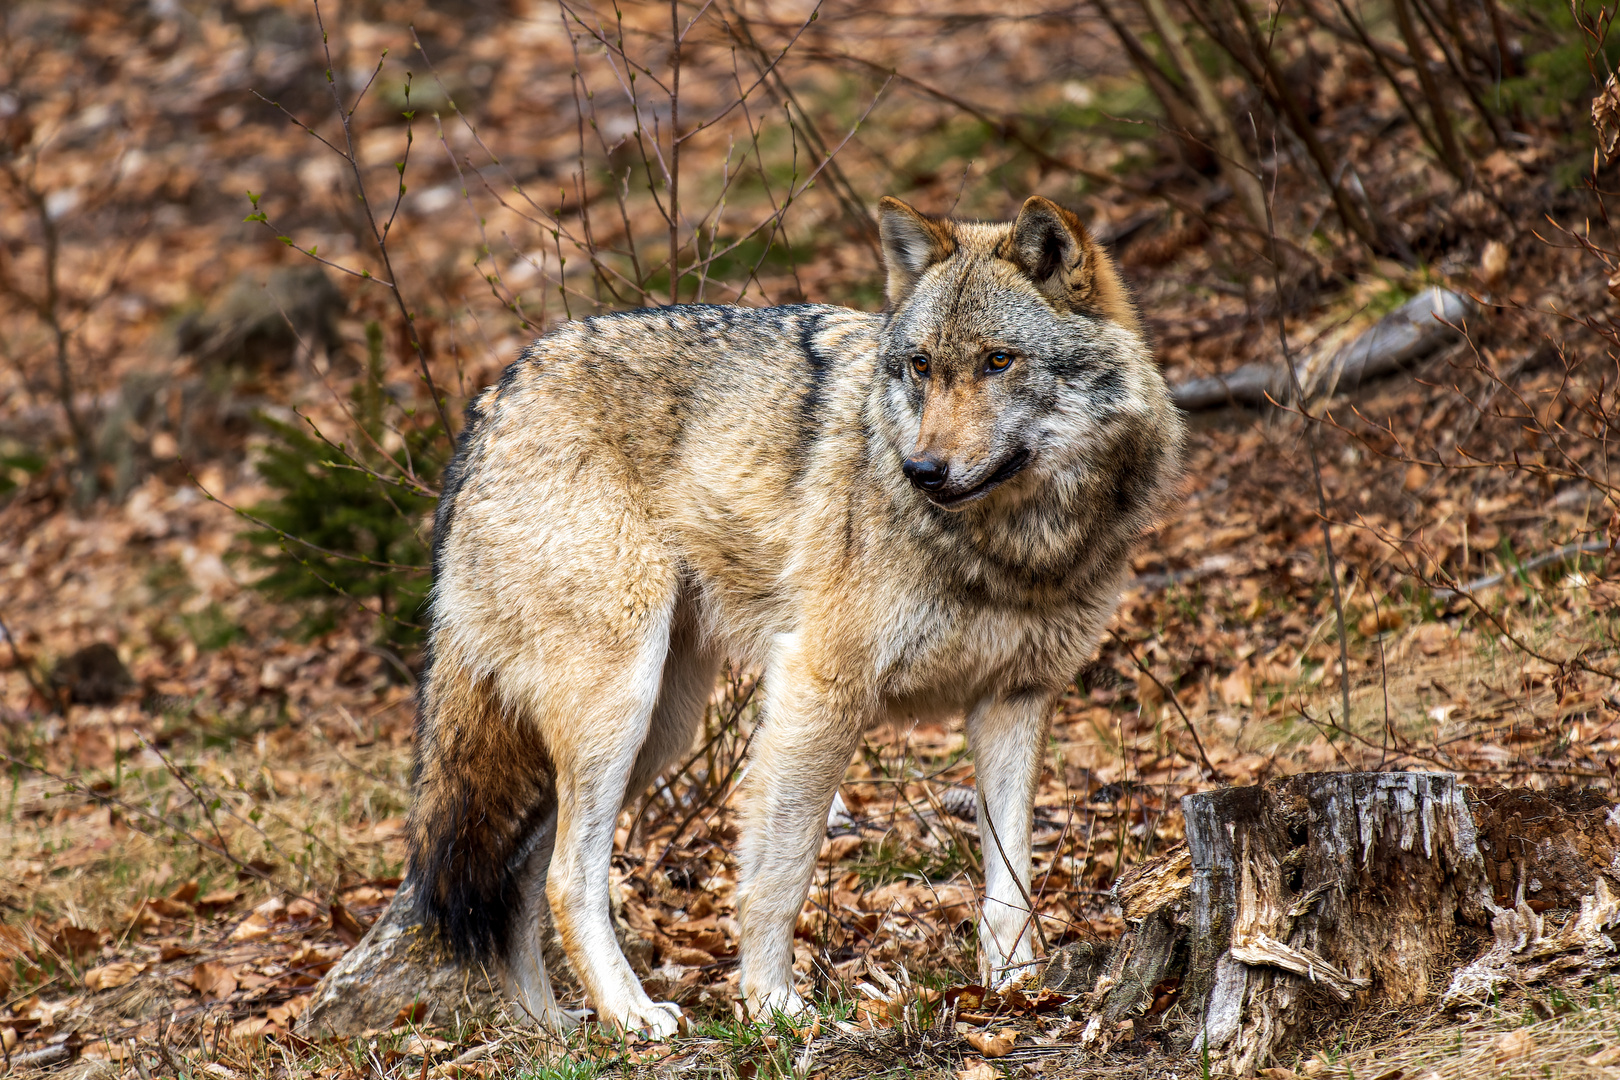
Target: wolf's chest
954,650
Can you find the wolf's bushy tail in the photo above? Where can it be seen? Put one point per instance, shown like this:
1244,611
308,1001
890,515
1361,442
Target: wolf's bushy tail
483,785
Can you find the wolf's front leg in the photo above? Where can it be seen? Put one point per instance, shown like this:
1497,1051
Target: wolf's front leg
1008,736
800,754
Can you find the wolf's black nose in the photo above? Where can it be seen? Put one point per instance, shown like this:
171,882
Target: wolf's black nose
926,472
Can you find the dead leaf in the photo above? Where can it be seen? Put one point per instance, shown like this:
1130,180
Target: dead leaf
1149,693
253,928
837,848
414,1013
1606,116
109,976
71,940
684,955
1433,638
990,1045
971,997
977,1069
417,1046
362,895
288,1011
345,925
452,1071
216,901
213,980
1513,1045
1605,1057
168,909
1237,688
1493,262
251,1028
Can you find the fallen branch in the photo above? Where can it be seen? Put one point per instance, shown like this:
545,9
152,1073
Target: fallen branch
1490,581
1413,330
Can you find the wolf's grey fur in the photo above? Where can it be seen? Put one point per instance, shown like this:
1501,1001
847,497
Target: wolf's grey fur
923,512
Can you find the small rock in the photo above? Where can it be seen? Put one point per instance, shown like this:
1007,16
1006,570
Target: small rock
258,325
93,676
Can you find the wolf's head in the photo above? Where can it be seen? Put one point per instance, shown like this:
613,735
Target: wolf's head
1011,354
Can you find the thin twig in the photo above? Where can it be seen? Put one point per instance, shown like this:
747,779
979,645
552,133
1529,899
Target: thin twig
1170,696
1310,446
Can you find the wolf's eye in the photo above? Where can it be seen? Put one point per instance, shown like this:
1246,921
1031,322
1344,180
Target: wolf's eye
919,364
998,361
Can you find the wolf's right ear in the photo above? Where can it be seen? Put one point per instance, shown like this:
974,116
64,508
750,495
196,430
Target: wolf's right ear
912,242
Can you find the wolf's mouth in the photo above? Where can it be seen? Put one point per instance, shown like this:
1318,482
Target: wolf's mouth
1006,471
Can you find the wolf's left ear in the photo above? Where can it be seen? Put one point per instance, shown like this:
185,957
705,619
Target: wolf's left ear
1050,245
912,242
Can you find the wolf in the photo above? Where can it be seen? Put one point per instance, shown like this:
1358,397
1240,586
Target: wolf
924,512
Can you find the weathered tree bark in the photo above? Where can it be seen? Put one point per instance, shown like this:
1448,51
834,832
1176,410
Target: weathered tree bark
400,965
1291,905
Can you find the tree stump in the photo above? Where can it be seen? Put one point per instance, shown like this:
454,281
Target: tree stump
1314,895
1291,905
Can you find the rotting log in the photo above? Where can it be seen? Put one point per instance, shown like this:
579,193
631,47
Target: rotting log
1413,330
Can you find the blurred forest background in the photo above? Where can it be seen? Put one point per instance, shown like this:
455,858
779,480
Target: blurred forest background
256,255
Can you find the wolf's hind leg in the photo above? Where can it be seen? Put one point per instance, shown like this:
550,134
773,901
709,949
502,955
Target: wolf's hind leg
683,697
688,678
527,978
602,722
1008,736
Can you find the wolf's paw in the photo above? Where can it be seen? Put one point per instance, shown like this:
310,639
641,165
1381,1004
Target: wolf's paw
784,1000
1013,978
658,1019
563,1020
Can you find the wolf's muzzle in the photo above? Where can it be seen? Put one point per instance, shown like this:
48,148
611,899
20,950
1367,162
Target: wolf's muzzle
926,473
1006,471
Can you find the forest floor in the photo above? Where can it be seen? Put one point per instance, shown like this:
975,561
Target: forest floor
199,826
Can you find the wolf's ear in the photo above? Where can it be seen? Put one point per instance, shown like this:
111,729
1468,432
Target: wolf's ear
1050,245
912,242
